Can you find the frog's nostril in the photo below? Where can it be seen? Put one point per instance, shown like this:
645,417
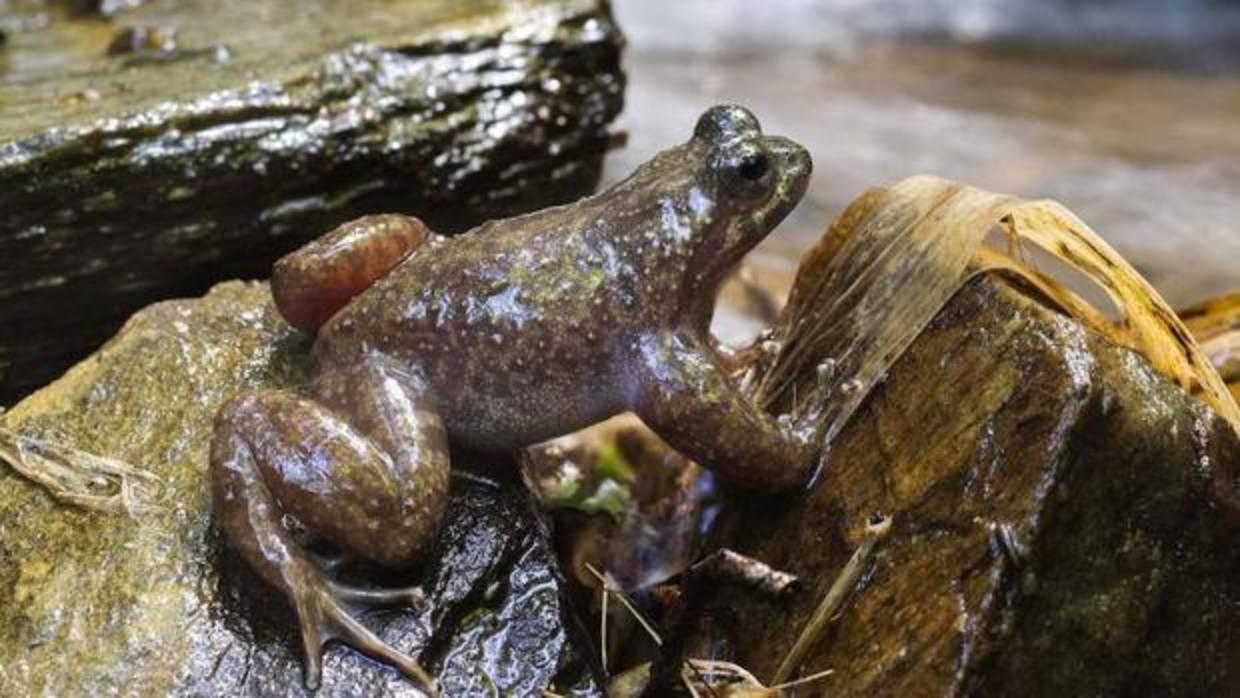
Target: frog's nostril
801,159
793,158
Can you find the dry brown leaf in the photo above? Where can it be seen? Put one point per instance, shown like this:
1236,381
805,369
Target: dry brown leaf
1213,317
896,256
1149,325
1216,325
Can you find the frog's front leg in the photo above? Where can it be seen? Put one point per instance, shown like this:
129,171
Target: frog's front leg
363,465
681,392
736,360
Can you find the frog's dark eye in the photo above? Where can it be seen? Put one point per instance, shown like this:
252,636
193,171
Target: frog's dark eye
753,166
745,172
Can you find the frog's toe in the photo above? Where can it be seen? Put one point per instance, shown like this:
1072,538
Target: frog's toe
412,595
331,562
322,612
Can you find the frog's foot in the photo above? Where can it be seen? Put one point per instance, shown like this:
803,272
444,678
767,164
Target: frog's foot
323,611
330,563
395,596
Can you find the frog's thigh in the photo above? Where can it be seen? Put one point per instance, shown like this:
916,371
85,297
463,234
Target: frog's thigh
278,453
396,413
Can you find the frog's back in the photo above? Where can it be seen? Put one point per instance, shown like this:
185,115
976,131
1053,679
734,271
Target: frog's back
496,327
500,281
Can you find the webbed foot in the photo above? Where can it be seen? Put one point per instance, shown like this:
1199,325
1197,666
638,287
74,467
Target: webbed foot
323,611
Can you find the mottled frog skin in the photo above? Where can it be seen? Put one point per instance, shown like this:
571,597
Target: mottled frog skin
515,332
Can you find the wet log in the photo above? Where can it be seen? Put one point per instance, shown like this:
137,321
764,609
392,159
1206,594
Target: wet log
1063,522
154,149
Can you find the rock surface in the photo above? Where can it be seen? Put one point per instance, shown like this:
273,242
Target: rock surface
1064,523
127,177
157,604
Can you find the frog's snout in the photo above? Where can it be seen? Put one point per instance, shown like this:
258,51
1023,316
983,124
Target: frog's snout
794,166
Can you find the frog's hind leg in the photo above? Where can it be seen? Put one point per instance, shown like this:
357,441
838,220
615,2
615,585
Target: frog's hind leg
365,467
313,282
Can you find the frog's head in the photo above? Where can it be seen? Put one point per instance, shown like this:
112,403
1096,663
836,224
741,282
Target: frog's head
751,181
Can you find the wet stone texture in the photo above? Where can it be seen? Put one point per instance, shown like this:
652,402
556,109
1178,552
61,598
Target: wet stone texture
157,604
127,177
1065,524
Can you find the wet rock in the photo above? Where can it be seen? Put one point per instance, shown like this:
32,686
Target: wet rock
129,178
158,604
1064,523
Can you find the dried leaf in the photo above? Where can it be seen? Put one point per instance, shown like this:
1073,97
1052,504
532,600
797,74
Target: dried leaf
1216,325
1213,317
896,256
1149,325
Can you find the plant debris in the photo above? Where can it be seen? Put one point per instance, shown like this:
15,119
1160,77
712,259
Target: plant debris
72,476
1215,323
727,680
876,529
731,565
896,256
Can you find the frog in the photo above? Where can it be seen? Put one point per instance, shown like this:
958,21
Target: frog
514,332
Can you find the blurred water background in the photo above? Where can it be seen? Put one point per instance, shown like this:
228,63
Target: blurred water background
1128,112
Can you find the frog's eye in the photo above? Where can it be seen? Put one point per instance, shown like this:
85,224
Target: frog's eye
745,172
753,166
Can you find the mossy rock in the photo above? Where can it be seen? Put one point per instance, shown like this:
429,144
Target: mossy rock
157,604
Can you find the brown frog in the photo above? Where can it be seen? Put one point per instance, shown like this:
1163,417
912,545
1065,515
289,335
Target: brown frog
512,333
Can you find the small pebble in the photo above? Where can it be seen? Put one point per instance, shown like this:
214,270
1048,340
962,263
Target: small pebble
143,40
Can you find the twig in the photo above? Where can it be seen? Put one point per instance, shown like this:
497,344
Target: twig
701,668
602,630
803,680
730,564
72,476
830,604
608,587
691,670
476,479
